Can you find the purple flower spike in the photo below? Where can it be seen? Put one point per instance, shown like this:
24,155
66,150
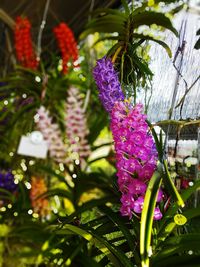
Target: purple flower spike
108,84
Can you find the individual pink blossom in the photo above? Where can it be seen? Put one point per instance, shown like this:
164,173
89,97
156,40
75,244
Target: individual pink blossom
138,205
157,214
76,126
52,134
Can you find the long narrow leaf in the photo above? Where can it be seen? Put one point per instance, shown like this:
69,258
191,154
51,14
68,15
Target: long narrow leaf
147,217
149,17
132,241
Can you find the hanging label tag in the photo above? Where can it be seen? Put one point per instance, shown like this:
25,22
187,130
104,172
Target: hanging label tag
180,219
33,145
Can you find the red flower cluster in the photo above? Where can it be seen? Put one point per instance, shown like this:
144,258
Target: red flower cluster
23,44
67,44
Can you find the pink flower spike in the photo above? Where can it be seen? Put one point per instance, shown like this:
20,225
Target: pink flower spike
135,152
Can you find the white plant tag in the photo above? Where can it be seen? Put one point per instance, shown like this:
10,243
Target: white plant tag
33,145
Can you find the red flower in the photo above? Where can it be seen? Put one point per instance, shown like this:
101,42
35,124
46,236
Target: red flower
67,44
23,43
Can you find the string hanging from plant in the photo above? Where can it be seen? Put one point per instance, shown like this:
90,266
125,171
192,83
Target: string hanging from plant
23,43
67,45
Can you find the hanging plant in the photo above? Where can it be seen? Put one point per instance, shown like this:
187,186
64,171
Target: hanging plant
133,69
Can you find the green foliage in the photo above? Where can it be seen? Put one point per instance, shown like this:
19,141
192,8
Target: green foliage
125,52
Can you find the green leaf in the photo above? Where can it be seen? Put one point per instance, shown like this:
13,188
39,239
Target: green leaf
197,45
177,244
47,169
167,224
157,141
149,17
147,217
143,67
178,261
114,38
105,11
174,192
115,217
104,24
147,37
87,261
88,206
5,194
126,7
56,192
114,254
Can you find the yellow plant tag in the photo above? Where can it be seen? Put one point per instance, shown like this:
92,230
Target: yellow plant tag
151,3
180,219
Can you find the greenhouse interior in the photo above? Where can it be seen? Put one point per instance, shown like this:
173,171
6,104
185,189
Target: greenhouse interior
100,133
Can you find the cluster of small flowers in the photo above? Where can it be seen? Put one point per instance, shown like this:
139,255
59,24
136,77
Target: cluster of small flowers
106,79
7,181
23,43
67,45
136,153
40,205
76,126
52,135
136,156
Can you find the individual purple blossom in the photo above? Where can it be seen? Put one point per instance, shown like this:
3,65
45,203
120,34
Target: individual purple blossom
138,206
157,214
108,84
127,201
7,181
126,211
